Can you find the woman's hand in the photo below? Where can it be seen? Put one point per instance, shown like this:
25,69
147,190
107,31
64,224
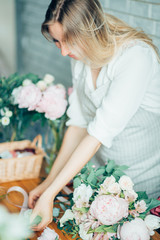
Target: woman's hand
35,194
44,209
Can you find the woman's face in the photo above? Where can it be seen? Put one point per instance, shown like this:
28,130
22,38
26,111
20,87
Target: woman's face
56,31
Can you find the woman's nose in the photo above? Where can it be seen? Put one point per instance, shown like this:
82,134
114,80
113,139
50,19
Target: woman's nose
64,50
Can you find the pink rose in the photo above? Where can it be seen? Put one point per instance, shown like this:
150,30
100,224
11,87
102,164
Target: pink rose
134,230
53,102
29,97
156,210
109,209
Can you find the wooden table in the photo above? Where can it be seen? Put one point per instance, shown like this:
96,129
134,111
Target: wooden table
28,185
17,198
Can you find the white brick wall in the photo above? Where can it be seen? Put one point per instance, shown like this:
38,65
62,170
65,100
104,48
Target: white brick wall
37,55
138,13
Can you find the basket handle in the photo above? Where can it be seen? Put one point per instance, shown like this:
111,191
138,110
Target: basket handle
37,140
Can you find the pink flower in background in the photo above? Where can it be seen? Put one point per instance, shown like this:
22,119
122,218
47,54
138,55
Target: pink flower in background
134,230
108,209
70,90
156,211
58,90
53,102
29,97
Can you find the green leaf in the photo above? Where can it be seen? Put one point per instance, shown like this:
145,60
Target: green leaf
110,166
89,165
62,206
76,182
123,167
119,173
100,229
131,205
152,204
91,177
56,212
142,195
84,176
100,172
82,210
84,170
110,229
36,220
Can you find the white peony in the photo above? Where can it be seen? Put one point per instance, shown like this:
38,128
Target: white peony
83,234
134,230
26,82
107,182
5,121
126,183
15,94
130,195
82,195
114,188
68,215
41,85
48,78
152,222
140,206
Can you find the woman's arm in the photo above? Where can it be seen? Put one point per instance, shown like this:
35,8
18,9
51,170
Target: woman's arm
72,138
81,155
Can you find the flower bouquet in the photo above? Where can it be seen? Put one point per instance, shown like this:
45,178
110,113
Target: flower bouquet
105,206
26,99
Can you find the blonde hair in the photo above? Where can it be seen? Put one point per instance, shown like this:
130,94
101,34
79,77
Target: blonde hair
98,34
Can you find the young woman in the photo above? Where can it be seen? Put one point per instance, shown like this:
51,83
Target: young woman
115,106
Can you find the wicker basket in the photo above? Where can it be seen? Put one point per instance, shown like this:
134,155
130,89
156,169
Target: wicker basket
24,167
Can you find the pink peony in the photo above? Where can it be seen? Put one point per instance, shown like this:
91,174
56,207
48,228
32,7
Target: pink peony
109,209
53,102
134,230
29,97
58,90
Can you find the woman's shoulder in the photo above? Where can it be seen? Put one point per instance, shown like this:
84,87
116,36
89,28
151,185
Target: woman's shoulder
135,47
132,51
